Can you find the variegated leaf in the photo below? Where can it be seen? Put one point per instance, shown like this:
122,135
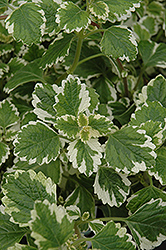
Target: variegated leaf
4,152
99,9
67,125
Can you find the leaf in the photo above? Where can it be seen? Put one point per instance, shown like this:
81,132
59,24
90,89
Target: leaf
26,23
156,90
119,42
5,49
121,9
83,199
100,125
143,196
130,150
159,170
141,32
57,50
96,225
151,111
37,142
85,156
51,226
30,72
94,99
8,114
3,3
68,126
4,152
10,233
21,247
43,101
74,98
112,237
111,187
99,9
22,189
33,52
71,18
147,224
150,24
153,54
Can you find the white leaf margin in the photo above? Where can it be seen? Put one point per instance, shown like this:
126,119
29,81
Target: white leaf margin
105,15
6,156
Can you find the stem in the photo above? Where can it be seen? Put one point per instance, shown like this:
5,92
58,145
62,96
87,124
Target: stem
94,32
3,17
139,79
80,240
124,79
90,57
103,219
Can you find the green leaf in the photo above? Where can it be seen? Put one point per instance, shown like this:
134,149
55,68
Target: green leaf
73,99
159,170
156,90
85,156
100,125
94,99
10,233
43,101
150,24
113,192
21,247
37,142
83,199
147,224
3,3
22,189
33,52
30,72
51,226
50,8
57,50
141,32
151,111
119,42
112,237
71,18
121,9
68,126
130,150
96,225
144,195
99,9
8,114
153,54
5,49
26,23
4,152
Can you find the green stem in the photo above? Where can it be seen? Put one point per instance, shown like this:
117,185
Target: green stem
102,219
124,79
80,240
94,32
139,79
90,57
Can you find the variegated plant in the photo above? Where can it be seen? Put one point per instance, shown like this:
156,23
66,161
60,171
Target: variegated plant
82,124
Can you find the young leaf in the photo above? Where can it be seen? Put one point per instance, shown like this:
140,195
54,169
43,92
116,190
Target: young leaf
99,124
8,114
147,224
153,54
85,156
71,18
130,150
144,195
4,152
74,98
112,237
99,9
43,101
119,42
10,233
159,170
51,226
30,72
22,189
83,199
26,23
37,142
57,50
68,126
111,187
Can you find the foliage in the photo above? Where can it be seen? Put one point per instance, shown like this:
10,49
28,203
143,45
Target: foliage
82,124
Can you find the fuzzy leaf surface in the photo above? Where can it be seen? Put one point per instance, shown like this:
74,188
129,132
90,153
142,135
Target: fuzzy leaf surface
21,191
129,151
71,18
50,225
57,50
153,54
43,101
119,42
85,156
111,187
37,142
144,195
74,98
30,72
25,23
10,233
111,237
148,224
